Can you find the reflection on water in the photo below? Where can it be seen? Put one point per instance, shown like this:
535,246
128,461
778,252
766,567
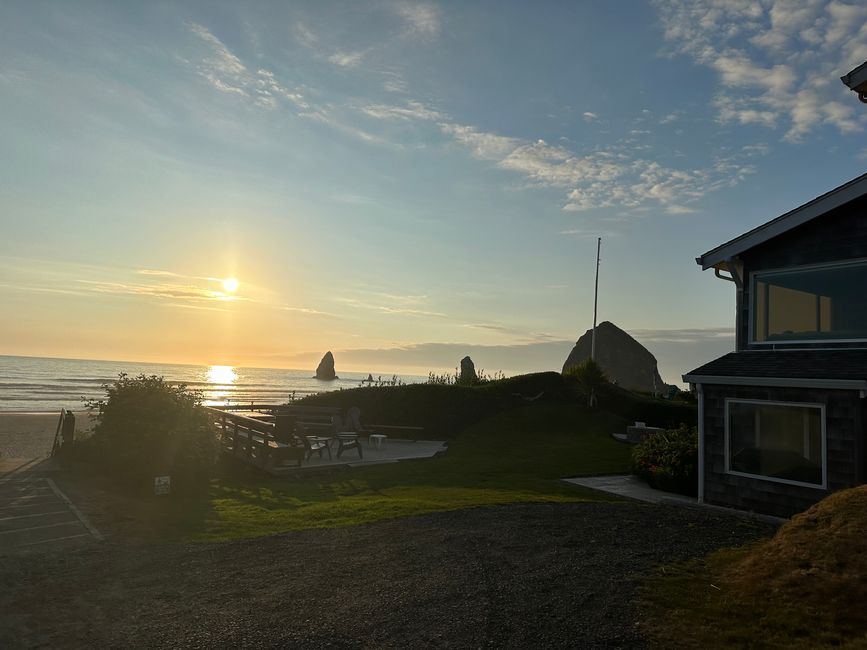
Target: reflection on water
222,375
222,380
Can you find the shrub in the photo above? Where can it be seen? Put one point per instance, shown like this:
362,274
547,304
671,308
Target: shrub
147,427
591,377
668,460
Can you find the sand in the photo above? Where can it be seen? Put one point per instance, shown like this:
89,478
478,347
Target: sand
30,435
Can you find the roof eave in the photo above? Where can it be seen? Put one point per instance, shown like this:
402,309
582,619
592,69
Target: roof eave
785,382
856,77
835,198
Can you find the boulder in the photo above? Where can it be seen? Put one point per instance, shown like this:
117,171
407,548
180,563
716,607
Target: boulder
625,361
468,371
325,369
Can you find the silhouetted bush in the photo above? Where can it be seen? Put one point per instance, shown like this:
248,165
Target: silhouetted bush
668,460
147,427
590,376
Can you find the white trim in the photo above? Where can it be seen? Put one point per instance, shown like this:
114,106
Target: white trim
806,268
760,477
850,191
782,382
700,493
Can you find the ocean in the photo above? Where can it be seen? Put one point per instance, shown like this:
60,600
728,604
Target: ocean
38,385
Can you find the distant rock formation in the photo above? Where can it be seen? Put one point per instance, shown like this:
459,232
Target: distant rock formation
325,369
468,371
626,362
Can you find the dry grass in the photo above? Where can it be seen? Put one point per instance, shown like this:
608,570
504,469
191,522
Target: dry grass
805,587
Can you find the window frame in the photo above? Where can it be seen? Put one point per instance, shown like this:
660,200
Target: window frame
806,268
772,479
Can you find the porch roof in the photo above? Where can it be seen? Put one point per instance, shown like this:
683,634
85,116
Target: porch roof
820,368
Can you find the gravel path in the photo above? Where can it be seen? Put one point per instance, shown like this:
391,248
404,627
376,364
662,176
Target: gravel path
522,576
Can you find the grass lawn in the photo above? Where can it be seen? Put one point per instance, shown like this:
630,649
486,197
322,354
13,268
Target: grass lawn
514,456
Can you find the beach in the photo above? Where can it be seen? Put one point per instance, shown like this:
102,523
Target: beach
30,435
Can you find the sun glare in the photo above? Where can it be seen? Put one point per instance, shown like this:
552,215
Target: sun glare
222,374
230,285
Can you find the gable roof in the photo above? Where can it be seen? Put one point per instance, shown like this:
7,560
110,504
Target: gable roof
792,219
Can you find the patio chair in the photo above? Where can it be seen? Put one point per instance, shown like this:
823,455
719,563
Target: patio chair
288,432
346,433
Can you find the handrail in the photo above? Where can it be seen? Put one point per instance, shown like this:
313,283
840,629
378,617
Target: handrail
56,444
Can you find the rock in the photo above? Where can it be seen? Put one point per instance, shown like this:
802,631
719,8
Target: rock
468,371
325,369
626,362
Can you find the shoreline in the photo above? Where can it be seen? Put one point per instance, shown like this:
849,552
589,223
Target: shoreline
31,434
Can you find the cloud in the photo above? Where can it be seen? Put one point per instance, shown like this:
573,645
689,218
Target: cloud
685,335
224,71
305,35
347,59
589,117
411,111
606,178
421,18
487,146
390,303
679,209
170,274
777,62
309,311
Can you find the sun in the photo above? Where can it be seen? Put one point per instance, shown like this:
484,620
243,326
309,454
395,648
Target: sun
230,285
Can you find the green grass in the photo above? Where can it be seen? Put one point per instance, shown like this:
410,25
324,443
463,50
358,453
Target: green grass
513,457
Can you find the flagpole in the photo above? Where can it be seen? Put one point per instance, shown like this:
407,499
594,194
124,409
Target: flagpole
595,300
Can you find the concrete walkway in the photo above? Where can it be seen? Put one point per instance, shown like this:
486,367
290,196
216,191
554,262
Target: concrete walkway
34,513
632,487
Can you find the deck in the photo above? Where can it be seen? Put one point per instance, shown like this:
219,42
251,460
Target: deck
250,437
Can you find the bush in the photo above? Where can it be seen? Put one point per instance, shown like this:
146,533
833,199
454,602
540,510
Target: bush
590,376
668,460
147,427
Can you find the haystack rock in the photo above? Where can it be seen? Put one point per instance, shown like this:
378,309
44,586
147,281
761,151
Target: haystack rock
468,370
624,360
325,369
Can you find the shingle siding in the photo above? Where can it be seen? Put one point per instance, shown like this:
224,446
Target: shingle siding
844,413
834,237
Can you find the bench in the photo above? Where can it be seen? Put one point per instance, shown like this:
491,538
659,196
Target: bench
312,420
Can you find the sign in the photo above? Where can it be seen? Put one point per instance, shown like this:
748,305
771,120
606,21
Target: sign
162,485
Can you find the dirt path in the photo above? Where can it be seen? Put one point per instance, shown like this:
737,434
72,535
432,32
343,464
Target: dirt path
546,576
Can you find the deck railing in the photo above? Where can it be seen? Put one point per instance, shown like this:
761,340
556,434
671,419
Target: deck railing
245,437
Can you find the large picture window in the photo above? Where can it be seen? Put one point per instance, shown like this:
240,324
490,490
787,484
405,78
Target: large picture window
808,304
777,441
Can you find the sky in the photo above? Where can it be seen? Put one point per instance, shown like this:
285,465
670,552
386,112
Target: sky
403,183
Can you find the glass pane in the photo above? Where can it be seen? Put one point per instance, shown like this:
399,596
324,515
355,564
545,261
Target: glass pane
817,304
778,441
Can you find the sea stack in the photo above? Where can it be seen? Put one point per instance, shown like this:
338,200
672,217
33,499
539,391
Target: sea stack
325,369
468,371
624,360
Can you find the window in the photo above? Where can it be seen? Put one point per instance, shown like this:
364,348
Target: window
777,441
807,304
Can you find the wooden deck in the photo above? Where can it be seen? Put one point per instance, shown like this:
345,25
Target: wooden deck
251,437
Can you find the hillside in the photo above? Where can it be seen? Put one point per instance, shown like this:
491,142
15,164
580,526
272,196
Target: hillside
444,411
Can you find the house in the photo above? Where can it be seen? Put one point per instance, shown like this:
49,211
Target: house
783,418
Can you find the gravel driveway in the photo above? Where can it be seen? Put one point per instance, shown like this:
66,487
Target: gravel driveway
522,576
